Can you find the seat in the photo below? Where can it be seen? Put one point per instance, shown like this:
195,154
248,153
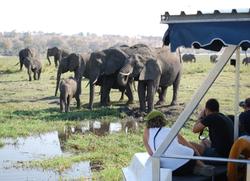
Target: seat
240,147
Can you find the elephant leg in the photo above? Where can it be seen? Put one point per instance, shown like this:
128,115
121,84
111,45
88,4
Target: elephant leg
142,95
129,93
21,65
61,104
77,97
55,60
34,75
29,73
39,74
150,94
175,89
68,104
122,95
91,95
162,95
106,87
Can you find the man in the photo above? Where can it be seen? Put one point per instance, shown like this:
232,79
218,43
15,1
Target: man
221,132
244,118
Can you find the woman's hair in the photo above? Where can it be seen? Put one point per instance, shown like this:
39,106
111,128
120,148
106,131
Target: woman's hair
156,122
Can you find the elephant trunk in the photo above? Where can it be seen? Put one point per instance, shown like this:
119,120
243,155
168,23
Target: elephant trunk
57,81
122,78
48,58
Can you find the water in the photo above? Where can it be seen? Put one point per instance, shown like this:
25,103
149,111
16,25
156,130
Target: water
49,145
43,146
101,128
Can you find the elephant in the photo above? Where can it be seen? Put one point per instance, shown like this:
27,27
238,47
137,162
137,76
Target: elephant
33,65
57,53
74,63
246,60
213,58
154,72
104,66
26,52
68,90
188,57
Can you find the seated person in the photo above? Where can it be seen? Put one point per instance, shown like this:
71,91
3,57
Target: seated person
154,134
244,117
221,132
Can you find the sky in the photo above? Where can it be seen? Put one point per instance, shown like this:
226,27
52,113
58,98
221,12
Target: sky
118,17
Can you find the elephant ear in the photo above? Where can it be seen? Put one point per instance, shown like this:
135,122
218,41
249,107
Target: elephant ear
114,60
74,61
151,70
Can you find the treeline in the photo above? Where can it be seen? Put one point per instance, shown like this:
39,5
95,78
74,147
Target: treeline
12,42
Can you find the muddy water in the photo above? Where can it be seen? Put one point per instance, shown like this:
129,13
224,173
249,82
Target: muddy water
44,146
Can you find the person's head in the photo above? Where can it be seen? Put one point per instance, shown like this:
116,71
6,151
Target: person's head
212,106
155,119
245,104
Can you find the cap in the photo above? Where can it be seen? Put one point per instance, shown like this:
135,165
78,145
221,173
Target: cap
154,114
245,103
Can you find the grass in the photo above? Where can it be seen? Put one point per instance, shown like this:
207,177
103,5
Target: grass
28,108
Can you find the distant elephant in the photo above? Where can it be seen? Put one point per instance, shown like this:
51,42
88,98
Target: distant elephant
105,65
57,53
188,58
154,73
33,65
74,63
26,52
68,90
246,60
213,58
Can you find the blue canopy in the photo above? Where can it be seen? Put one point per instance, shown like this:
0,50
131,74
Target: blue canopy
208,35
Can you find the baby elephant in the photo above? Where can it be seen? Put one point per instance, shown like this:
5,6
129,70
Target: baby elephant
68,90
33,65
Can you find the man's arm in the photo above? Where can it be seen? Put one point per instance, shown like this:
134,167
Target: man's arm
198,127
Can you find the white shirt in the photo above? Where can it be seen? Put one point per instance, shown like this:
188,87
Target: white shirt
174,149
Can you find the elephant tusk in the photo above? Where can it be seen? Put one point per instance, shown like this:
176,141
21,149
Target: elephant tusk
125,74
95,81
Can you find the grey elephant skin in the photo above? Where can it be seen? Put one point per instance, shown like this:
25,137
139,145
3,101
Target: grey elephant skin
74,63
246,60
33,65
189,58
57,53
68,90
26,52
154,72
213,58
104,66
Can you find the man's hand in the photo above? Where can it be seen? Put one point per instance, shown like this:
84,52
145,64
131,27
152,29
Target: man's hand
201,115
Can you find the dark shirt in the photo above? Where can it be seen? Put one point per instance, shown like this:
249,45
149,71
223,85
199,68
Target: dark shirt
244,120
221,132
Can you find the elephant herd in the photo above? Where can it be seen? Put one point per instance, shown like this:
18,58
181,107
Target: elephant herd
117,67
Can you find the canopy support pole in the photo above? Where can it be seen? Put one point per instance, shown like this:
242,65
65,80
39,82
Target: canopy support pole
228,52
237,93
